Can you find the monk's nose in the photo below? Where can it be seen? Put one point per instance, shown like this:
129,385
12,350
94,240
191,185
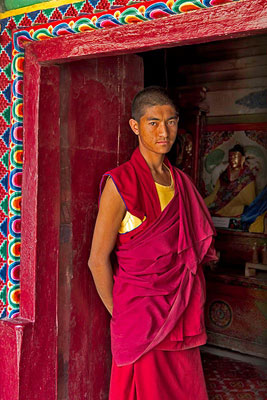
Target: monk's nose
163,130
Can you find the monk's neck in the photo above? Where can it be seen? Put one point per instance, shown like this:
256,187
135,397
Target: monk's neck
153,160
159,172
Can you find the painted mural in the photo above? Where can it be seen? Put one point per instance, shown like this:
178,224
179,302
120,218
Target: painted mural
72,18
234,175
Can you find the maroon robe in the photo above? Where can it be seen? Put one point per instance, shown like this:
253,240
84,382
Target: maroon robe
159,288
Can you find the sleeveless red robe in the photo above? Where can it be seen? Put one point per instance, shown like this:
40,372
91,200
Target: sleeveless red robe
159,288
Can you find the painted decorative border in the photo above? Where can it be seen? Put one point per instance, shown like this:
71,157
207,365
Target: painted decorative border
68,19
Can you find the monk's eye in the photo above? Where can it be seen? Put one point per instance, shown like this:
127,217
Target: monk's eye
152,123
172,122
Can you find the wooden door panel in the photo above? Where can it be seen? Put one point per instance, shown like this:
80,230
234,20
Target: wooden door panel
96,99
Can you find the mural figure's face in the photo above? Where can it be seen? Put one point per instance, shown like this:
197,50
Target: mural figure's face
236,159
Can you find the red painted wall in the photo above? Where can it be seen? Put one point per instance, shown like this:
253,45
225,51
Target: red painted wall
75,130
95,136
60,311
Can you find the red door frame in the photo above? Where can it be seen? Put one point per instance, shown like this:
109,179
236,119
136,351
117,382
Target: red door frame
41,177
230,21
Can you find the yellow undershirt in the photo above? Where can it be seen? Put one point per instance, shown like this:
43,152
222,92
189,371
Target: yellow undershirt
131,222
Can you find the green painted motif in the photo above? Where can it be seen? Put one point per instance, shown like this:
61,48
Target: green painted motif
7,71
6,115
131,15
15,156
192,5
3,250
17,110
13,296
83,24
18,18
42,34
3,295
4,160
48,12
4,205
14,203
78,6
18,62
13,4
214,159
13,249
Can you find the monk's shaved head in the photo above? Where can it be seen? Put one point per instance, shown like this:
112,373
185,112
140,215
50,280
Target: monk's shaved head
149,97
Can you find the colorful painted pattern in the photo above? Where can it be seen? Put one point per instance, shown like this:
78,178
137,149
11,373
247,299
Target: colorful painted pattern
214,149
40,25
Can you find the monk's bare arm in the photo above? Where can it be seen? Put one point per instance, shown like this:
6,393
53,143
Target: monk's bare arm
110,214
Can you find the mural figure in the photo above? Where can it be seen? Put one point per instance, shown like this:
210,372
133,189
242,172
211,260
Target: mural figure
184,152
235,187
155,292
254,216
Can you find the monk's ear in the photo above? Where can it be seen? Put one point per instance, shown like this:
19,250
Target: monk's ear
134,126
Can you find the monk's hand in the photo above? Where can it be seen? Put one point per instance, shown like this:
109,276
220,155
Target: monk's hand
213,265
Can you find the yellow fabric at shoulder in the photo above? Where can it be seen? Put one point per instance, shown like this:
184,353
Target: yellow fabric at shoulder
165,194
131,222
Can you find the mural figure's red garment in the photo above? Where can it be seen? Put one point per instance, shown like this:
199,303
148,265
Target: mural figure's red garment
158,290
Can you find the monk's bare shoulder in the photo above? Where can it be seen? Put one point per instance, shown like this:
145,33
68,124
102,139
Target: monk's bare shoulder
111,201
110,214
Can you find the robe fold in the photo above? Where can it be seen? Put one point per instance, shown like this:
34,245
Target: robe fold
158,264
160,375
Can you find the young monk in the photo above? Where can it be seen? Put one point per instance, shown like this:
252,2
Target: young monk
151,214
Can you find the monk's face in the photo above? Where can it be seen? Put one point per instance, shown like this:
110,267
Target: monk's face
236,159
157,128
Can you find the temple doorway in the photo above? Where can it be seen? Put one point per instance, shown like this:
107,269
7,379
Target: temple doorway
91,91
197,76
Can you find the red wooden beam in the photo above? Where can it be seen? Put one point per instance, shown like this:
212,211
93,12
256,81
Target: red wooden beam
236,127
30,189
218,23
37,357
